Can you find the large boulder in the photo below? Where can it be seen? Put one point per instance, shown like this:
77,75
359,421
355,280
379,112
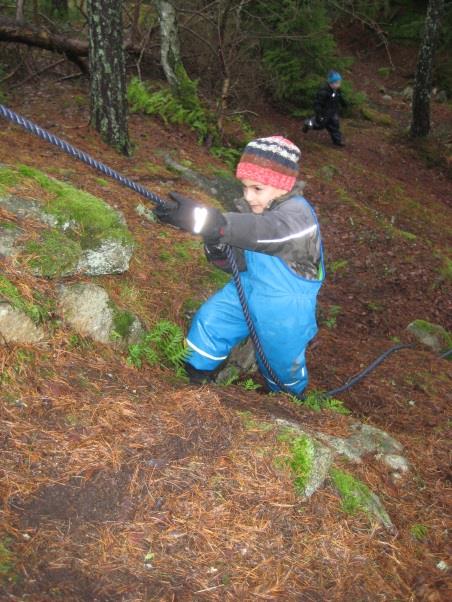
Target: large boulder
83,234
87,308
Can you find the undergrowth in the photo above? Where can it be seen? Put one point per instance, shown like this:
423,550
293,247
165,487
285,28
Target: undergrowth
316,400
164,344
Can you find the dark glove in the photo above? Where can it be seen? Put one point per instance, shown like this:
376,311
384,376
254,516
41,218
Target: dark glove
319,119
187,214
216,254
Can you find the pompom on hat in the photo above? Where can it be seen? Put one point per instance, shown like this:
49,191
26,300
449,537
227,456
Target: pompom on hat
272,161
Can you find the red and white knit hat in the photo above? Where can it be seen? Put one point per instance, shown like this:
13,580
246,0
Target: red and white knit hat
272,161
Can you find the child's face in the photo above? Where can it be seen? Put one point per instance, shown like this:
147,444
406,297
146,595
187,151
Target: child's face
259,196
335,85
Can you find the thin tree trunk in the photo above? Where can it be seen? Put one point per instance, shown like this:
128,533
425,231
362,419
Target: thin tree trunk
169,42
20,11
107,67
420,120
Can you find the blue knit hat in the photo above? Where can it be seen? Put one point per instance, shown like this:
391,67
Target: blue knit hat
334,76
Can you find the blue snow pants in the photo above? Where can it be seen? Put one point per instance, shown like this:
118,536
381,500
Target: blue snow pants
283,309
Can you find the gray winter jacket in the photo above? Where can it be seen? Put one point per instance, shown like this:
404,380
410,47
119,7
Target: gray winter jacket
287,229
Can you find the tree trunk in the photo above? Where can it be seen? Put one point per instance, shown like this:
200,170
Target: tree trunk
20,11
420,120
107,67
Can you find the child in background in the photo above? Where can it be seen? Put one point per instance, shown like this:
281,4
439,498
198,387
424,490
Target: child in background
327,103
276,240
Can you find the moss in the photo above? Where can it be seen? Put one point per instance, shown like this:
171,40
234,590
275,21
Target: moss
9,292
8,226
92,219
434,330
445,271
375,116
356,497
302,461
54,255
8,179
7,562
122,322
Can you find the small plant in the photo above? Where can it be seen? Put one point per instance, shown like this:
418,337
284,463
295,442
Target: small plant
250,385
419,532
336,266
333,312
163,344
317,400
301,461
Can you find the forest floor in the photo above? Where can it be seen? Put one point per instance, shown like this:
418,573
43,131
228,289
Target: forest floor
121,484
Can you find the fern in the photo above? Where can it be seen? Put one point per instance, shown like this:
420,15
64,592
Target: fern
163,344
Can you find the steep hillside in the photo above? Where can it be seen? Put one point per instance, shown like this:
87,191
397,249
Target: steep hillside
125,483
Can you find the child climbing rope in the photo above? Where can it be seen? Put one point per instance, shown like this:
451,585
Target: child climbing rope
328,102
276,241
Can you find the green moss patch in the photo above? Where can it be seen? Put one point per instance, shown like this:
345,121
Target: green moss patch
8,179
77,210
375,116
302,462
55,254
11,294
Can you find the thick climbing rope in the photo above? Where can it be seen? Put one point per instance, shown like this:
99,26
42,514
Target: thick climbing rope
31,127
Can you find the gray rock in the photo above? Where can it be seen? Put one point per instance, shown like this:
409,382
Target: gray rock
145,212
241,360
110,257
8,240
87,308
441,96
365,440
431,335
322,457
407,93
26,209
17,327
395,462
387,98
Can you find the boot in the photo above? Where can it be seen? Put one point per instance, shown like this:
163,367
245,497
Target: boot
199,377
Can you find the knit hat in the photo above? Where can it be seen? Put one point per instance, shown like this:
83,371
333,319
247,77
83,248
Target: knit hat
272,161
334,76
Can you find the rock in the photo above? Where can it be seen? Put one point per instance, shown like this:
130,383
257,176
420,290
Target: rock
395,462
407,93
375,116
85,234
431,335
145,212
319,459
17,327
89,310
366,439
27,209
110,257
241,360
387,98
9,234
441,96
